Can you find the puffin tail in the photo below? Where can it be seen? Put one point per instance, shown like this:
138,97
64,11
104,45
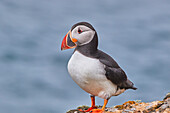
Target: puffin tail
128,85
134,88
131,85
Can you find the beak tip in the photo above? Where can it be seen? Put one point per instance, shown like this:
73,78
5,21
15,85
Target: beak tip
66,41
62,49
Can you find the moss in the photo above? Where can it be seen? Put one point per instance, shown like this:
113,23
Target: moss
83,107
119,107
138,101
135,107
167,96
129,102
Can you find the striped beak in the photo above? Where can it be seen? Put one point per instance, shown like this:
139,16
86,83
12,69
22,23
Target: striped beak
68,42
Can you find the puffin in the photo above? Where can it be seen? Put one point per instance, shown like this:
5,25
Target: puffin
93,70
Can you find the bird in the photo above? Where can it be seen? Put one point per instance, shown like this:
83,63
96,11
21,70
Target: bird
92,69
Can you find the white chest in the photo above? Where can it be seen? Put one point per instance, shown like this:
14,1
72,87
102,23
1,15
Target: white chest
89,74
85,69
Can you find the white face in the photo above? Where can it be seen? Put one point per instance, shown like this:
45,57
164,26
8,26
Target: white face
83,34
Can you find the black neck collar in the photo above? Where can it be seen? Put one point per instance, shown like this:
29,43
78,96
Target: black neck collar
89,49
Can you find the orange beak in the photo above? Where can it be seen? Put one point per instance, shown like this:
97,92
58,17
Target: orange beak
68,42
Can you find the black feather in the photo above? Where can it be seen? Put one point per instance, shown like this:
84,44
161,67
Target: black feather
113,71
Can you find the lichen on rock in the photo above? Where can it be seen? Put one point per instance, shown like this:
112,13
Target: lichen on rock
136,107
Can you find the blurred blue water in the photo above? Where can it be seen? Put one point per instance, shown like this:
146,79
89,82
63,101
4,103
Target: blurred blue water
33,74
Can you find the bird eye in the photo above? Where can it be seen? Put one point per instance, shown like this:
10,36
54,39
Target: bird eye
79,31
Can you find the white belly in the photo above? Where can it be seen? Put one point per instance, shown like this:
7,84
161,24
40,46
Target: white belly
89,74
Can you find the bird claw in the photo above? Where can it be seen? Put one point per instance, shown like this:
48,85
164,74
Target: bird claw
89,109
97,111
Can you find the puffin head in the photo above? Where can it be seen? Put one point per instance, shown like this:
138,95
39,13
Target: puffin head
81,34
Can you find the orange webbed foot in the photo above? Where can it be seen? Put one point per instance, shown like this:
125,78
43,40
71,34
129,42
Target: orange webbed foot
89,109
100,110
97,111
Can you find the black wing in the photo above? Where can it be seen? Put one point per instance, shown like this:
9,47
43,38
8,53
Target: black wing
113,72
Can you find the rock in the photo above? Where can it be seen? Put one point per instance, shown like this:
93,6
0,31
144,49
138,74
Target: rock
136,106
167,96
74,111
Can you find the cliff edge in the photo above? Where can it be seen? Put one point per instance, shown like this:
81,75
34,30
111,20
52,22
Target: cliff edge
135,107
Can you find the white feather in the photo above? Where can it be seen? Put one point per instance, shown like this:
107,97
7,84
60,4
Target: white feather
89,74
85,37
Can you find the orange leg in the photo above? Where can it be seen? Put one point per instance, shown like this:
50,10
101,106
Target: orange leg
92,101
103,108
92,104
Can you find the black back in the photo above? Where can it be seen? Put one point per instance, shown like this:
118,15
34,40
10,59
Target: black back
113,71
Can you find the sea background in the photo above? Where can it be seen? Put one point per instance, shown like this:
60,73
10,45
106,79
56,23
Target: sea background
33,69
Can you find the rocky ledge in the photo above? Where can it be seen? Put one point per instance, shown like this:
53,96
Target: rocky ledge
135,107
